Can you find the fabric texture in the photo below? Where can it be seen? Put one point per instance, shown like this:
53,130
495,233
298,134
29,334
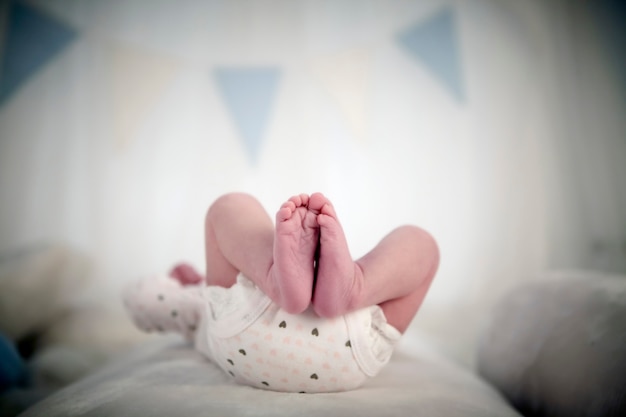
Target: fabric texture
258,344
557,347
165,377
46,276
161,304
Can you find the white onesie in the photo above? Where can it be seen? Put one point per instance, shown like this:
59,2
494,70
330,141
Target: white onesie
259,344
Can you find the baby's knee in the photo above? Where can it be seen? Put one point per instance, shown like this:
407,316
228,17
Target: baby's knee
235,198
411,232
226,202
417,236
420,242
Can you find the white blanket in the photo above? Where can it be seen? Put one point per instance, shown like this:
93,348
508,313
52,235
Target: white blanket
167,378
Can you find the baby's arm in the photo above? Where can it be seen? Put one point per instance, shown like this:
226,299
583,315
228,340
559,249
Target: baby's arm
162,304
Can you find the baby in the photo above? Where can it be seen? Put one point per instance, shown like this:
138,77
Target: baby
286,308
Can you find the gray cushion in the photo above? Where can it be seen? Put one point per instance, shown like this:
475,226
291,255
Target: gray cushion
557,347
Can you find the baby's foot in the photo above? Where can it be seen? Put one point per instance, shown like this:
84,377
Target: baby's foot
186,275
297,234
338,276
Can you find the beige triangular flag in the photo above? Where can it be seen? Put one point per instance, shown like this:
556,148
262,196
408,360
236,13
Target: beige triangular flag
139,77
346,77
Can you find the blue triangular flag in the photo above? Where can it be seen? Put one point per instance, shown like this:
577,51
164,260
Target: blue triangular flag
249,95
32,39
434,43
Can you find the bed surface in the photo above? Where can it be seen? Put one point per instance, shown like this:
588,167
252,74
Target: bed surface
166,377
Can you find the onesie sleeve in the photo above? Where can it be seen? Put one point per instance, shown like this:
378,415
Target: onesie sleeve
162,304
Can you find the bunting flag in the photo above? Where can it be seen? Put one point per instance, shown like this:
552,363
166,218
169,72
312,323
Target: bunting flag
346,77
138,78
32,39
249,95
434,43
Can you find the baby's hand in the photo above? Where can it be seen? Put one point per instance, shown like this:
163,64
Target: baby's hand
186,274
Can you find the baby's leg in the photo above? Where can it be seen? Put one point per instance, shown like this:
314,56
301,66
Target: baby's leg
396,274
240,237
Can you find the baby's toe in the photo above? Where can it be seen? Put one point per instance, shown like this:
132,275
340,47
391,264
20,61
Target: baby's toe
284,213
317,201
